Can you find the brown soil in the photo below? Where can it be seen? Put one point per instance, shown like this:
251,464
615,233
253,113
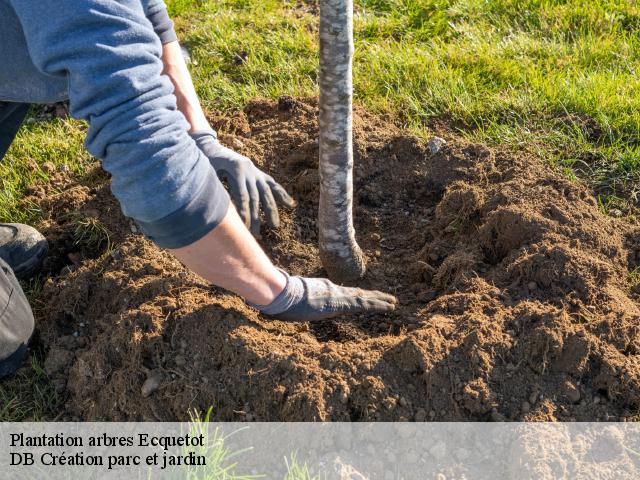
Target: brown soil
516,297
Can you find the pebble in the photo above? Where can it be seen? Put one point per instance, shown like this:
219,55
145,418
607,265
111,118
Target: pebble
525,407
134,229
421,415
180,361
151,384
403,402
570,391
532,285
615,213
436,144
533,397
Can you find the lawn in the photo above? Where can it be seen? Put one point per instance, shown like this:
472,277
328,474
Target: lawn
557,78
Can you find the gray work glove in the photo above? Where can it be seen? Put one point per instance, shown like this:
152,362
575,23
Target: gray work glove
250,187
309,299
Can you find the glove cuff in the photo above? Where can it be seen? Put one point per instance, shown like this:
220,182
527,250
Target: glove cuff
292,294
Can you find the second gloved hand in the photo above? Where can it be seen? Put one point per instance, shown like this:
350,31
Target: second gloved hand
310,299
250,187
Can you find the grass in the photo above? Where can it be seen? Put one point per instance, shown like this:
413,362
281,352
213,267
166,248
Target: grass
28,396
221,462
555,77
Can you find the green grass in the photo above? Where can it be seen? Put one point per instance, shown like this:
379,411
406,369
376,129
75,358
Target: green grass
28,395
555,77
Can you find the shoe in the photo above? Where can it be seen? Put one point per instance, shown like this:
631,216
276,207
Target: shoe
23,248
10,365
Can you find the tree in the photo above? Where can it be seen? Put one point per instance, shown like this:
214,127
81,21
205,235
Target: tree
339,251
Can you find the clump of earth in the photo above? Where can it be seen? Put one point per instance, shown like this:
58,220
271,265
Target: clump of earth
517,294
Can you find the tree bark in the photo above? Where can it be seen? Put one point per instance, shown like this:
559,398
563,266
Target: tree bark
340,254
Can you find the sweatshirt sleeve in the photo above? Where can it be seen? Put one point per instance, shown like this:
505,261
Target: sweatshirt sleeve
156,12
110,55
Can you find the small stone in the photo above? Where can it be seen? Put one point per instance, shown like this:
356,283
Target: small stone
525,407
596,400
64,168
403,402
421,415
375,237
134,229
151,384
615,213
436,144
533,397
532,285
432,414
180,361
570,391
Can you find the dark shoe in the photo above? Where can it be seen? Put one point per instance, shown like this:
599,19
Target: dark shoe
10,365
23,248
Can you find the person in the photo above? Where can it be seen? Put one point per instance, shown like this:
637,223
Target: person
121,68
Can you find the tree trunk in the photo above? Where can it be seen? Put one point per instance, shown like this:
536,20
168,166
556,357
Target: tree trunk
340,254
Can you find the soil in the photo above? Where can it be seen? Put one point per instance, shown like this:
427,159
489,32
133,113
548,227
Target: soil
517,294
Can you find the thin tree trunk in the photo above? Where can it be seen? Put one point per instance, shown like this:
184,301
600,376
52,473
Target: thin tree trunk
340,254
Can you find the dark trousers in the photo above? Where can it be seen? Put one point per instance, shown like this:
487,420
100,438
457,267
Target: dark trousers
11,117
16,318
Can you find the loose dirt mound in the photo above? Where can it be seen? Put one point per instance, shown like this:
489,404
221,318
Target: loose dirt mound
516,297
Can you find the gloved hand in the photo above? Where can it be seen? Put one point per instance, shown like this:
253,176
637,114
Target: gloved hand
250,187
309,299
